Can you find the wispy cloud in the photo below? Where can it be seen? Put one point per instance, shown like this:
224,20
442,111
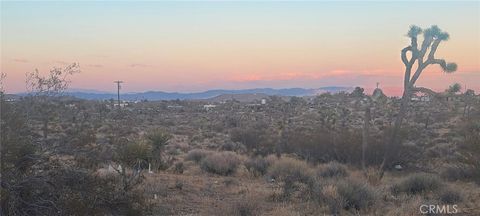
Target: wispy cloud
20,60
140,65
95,65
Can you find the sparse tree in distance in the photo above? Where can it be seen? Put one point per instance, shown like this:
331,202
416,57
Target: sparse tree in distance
43,88
453,89
421,57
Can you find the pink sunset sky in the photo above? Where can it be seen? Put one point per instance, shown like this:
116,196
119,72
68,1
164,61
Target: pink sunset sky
196,46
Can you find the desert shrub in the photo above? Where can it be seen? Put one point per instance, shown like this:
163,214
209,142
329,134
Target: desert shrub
321,145
179,167
470,148
455,173
255,138
179,184
230,181
197,155
290,171
417,183
232,146
257,166
330,196
450,196
333,169
244,207
356,195
223,163
289,168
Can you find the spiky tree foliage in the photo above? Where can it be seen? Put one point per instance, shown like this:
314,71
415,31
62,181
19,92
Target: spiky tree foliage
455,88
158,139
421,56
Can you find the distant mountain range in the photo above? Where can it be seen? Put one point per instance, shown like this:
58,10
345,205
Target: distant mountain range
159,95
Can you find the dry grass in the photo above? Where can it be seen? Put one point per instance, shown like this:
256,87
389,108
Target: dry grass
241,194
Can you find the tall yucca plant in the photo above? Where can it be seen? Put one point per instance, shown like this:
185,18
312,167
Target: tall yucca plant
420,58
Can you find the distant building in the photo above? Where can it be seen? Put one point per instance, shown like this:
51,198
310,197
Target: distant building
209,106
70,105
123,104
174,107
263,101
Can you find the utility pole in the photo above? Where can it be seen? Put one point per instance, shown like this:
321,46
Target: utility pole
118,91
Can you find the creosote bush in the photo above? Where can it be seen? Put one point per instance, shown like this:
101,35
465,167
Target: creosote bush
417,184
333,169
345,194
291,171
356,195
222,163
456,173
257,166
450,196
290,168
197,155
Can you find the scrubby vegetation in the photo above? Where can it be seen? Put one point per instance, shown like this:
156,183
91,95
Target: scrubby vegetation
223,163
288,156
417,184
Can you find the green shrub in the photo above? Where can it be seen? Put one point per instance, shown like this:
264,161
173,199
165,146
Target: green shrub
333,169
450,196
179,167
223,163
329,195
355,195
292,169
417,183
456,173
197,155
257,166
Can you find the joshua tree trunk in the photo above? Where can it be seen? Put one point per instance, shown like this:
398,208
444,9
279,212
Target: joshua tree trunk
393,140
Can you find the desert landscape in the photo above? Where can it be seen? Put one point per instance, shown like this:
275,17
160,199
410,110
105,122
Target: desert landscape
278,151
273,156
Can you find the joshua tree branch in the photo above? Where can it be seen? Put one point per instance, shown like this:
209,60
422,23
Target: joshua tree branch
404,55
426,43
435,44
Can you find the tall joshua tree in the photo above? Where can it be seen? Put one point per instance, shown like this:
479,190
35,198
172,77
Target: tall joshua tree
419,59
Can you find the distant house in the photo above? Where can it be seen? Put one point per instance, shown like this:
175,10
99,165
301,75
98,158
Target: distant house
123,104
70,105
208,107
174,107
